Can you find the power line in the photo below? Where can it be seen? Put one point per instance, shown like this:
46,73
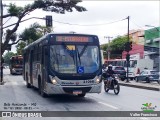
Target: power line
88,24
7,20
136,24
66,22
142,28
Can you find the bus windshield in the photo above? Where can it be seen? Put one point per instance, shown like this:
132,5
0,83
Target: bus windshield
133,63
17,62
70,58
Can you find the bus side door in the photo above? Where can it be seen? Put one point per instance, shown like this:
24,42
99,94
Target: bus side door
31,66
44,65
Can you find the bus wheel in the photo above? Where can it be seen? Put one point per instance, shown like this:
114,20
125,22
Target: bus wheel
40,89
122,79
81,95
27,84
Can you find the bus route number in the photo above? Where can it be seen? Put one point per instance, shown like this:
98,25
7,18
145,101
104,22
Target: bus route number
88,81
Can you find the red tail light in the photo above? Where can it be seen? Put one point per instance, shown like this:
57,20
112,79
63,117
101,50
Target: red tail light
138,71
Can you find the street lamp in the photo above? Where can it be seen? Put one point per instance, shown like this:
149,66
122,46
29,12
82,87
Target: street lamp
108,50
152,26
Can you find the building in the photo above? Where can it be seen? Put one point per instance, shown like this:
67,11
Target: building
147,49
152,37
137,52
152,45
137,36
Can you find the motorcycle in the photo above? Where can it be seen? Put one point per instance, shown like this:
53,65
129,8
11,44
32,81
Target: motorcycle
114,85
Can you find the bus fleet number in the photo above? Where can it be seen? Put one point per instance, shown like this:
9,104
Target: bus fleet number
88,81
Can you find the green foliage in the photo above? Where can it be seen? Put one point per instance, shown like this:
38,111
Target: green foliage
20,47
31,34
7,57
118,43
13,9
43,30
116,46
104,47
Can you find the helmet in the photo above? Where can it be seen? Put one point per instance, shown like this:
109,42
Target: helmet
110,66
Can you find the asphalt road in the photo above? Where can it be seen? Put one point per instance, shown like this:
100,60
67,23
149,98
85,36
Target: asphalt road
14,92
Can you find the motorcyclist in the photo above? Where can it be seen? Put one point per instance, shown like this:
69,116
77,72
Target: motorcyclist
109,73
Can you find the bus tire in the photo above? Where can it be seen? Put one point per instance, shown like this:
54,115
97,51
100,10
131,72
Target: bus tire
122,79
27,83
81,95
40,88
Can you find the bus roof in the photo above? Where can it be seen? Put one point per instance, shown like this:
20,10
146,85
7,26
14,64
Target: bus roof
49,34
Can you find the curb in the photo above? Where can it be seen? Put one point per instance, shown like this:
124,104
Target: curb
139,86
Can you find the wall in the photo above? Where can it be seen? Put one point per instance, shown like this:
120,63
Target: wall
136,49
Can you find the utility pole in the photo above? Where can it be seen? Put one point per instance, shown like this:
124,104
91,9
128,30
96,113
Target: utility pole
108,50
128,55
1,33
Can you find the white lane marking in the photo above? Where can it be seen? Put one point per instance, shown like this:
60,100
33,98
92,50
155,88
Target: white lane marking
14,83
108,105
143,118
24,82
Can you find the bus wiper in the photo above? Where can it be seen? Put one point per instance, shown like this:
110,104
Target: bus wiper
79,56
83,50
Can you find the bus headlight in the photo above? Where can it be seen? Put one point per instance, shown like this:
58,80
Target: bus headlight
54,81
97,80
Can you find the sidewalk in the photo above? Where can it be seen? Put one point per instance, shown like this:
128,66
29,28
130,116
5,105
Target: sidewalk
141,84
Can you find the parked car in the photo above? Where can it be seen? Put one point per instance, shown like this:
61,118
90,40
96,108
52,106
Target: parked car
148,76
120,71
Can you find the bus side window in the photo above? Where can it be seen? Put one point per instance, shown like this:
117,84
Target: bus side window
44,54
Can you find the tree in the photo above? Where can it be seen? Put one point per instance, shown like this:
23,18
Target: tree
44,30
20,46
116,46
7,57
57,6
29,35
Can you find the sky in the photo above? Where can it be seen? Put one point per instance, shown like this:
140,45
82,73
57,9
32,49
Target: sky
111,14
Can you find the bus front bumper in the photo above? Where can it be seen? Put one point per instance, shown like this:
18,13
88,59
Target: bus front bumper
58,89
17,71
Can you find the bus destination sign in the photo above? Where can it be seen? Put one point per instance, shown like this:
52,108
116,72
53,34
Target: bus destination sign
73,39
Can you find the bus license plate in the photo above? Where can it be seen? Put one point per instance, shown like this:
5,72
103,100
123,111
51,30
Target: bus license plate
77,92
